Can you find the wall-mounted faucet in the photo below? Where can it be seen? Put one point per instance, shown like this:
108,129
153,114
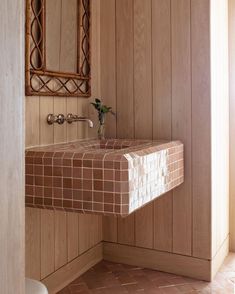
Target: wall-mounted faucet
73,118
70,118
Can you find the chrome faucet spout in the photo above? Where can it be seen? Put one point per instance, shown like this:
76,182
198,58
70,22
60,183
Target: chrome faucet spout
73,118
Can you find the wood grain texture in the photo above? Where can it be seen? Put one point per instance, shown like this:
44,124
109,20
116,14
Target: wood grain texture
142,69
144,226
125,93
73,270
161,69
181,122
47,243
143,105
126,230
162,261
201,163
110,228
72,229
125,68
59,234
12,210
163,223
219,127
46,132
61,245
32,121
108,61
32,243
232,119
162,112
93,225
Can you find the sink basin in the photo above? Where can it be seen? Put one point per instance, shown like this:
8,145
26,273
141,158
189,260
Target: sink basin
110,177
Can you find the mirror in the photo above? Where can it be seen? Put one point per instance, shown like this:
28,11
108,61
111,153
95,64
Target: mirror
58,48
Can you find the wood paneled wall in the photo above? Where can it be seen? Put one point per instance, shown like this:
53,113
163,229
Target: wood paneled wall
151,61
12,278
155,71
219,123
53,239
232,120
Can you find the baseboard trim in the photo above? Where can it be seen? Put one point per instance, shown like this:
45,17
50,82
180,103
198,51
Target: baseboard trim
158,260
71,271
219,258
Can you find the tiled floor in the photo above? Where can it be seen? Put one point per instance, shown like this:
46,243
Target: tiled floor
111,278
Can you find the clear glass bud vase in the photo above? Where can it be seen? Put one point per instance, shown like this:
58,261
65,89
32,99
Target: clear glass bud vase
101,129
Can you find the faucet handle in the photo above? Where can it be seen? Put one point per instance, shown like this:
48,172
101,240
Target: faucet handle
51,119
71,118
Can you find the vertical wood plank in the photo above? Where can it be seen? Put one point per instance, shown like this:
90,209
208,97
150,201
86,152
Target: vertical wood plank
144,227
161,66
125,71
163,229
72,129
143,105
46,131
162,120
232,119
95,61
60,131
31,121
12,201
201,126
61,250
90,230
142,69
32,243
72,229
125,94
108,61
108,87
82,127
110,229
47,242
126,230
181,122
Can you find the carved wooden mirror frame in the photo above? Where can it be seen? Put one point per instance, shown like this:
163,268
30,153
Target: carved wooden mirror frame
43,82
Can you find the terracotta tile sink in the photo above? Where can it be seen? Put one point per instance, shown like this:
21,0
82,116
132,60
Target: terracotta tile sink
111,177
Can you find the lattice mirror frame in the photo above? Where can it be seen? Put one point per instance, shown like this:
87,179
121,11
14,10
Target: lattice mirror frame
39,81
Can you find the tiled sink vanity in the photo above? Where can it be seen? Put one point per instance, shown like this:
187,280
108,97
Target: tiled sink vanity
110,177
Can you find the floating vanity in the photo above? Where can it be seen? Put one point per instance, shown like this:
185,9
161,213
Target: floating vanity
111,177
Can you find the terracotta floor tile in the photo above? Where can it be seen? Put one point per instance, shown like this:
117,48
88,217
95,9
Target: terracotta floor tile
110,278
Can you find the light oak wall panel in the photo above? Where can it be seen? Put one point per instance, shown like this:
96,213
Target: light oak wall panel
143,104
73,235
108,84
232,119
181,122
125,93
60,238
125,68
162,112
108,60
201,120
12,211
162,58
219,123
33,243
47,246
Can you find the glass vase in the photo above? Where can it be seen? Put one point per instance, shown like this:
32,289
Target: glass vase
101,131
